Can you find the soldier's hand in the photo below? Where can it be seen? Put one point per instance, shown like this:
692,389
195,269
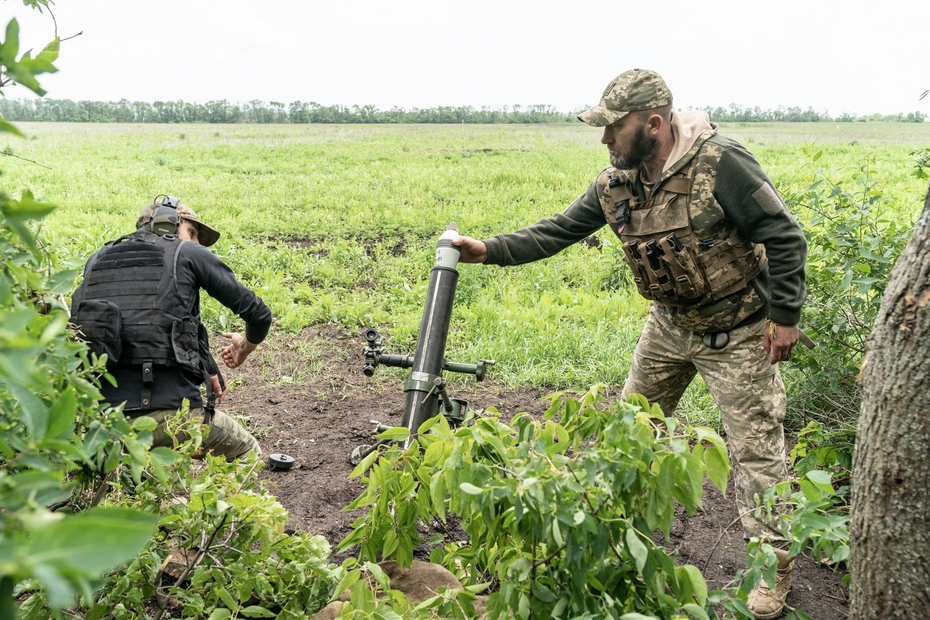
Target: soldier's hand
471,250
236,353
779,340
218,391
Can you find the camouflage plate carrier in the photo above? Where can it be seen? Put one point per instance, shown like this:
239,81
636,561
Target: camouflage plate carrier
685,254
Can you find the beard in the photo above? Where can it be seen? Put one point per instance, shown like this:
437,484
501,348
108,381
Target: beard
639,151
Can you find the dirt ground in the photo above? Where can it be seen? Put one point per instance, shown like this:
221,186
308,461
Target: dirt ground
306,396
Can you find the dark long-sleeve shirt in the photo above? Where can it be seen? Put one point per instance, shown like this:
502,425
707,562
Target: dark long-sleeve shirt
197,268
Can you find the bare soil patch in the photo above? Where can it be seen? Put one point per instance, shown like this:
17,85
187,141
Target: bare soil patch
307,397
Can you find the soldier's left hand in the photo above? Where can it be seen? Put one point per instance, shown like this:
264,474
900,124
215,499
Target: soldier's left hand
779,340
234,354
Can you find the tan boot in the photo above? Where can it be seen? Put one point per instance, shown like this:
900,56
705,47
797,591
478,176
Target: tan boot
766,604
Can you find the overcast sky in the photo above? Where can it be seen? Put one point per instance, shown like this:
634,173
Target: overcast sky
850,56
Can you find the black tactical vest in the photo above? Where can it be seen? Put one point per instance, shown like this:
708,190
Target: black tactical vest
128,305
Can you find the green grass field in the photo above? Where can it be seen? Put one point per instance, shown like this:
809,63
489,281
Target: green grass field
337,224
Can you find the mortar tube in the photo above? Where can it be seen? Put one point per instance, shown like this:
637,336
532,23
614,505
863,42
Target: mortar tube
434,329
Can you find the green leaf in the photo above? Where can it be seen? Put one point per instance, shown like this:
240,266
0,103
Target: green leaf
57,588
10,47
365,464
696,611
93,541
50,53
220,613
256,611
61,415
698,584
7,604
41,487
821,479
165,456
7,127
471,489
390,543
395,433
61,282
226,597
144,423
637,549
706,434
437,494
523,607
542,592
740,606
635,616
28,208
347,581
35,413
113,457
718,467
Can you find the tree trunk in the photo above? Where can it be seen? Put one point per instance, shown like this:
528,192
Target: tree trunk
890,511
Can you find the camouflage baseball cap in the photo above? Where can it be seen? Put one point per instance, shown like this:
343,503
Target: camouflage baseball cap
631,91
207,235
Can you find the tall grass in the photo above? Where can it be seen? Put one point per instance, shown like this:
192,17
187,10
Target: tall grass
337,224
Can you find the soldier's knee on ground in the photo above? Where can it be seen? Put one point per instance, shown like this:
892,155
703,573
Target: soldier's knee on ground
229,438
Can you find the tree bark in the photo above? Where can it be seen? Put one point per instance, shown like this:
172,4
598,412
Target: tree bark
890,512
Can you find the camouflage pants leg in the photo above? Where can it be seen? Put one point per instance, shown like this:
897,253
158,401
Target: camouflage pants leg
747,389
662,368
226,437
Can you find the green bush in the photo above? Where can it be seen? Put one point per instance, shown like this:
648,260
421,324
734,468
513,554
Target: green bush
854,238
52,430
560,513
221,550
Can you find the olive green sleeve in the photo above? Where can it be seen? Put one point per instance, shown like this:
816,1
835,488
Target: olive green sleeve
749,199
550,235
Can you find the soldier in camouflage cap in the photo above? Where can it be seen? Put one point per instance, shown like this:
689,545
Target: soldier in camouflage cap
711,244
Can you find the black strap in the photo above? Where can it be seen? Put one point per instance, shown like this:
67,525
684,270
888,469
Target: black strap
210,407
148,376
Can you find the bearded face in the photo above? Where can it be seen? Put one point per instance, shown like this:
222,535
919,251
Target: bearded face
631,149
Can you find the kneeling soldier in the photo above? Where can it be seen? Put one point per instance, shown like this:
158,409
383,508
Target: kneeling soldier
139,303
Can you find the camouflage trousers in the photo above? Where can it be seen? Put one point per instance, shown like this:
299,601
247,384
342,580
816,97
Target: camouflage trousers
226,437
747,388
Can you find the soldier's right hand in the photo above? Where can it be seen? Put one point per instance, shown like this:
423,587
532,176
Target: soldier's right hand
471,250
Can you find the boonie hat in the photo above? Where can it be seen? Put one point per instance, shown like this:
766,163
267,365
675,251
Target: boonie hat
631,91
207,235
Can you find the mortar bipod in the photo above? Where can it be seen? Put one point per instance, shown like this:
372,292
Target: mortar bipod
435,399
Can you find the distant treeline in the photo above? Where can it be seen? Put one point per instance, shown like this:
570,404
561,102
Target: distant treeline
736,114
222,111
